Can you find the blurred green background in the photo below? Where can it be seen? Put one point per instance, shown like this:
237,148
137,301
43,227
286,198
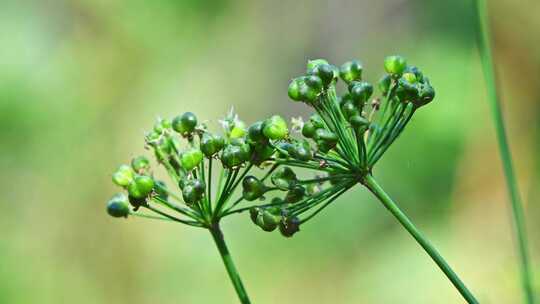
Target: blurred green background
81,80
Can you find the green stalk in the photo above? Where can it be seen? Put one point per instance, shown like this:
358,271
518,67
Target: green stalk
518,217
229,264
374,187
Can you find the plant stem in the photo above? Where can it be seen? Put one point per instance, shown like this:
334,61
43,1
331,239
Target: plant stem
229,264
374,187
518,217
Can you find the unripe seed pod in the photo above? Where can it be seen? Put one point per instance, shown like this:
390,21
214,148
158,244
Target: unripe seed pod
267,221
123,176
185,123
351,71
252,188
141,186
255,132
301,152
235,155
295,194
427,94
284,178
294,89
360,92
308,130
409,77
238,130
416,72
118,206
326,72
191,159
395,65
275,128
261,153
325,135
314,82
312,64
289,226
317,121
407,91
254,213
211,144
307,93
193,191
140,164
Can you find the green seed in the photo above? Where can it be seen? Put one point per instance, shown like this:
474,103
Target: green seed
254,213
141,186
314,82
252,188
193,191
351,71
123,176
326,135
295,194
191,159
395,65
211,144
185,123
294,89
409,77
360,92
327,73
308,130
289,226
235,155
307,93
118,206
255,132
284,178
238,130
312,64
275,128
261,153
140,164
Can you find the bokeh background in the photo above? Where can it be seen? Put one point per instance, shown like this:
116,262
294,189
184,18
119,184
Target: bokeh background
81,80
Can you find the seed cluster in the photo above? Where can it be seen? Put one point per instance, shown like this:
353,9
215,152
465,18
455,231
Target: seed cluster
339,144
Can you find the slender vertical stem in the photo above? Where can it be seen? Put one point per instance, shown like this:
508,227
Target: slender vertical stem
518,217
374,187
229,264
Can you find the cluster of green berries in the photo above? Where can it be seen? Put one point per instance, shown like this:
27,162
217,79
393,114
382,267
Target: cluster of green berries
341,142
185,148
404,88
138,183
